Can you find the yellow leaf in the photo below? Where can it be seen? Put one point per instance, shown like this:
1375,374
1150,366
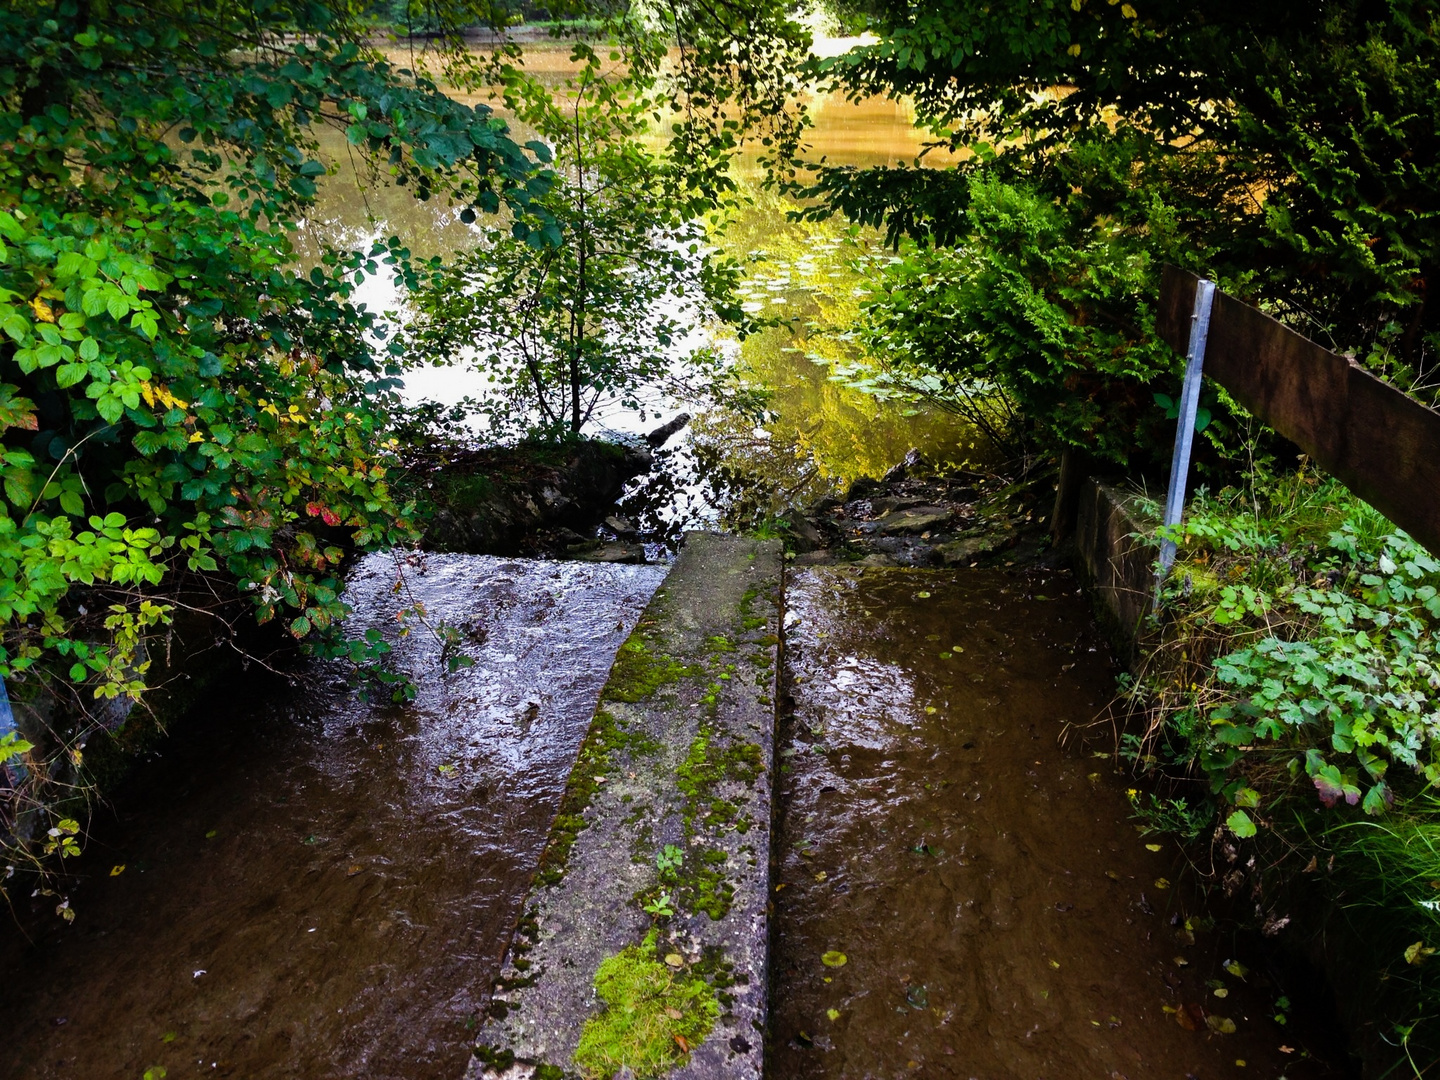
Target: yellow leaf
833,1014
43,311
1074,50
148,393
1128,11
116,871
1152,847
1223,1024
1076,5
834,958
1162,883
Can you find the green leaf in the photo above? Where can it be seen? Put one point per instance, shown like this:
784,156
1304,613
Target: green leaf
1240,824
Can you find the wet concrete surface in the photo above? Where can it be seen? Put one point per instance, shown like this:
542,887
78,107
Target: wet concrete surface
316,887
960,895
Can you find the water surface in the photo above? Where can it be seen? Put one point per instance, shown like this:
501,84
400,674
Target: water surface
999,914
317,887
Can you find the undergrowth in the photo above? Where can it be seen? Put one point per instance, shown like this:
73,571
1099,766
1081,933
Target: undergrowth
1291,690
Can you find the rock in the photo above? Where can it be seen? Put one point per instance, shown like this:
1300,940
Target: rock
915,461
612,553
895,474
914,520
620,526
814,558
876,559
886,503
861,488
825,505
969,548
803,535
494,501
962,493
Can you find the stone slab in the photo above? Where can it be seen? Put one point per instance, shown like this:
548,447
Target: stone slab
677,767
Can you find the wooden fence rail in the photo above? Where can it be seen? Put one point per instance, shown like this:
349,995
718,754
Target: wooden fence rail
1381,443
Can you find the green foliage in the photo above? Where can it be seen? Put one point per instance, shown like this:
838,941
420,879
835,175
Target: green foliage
653,1016
1325,625
1285,149
177,400
1031,305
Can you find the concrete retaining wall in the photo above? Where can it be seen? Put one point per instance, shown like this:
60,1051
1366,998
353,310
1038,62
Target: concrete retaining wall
1116,560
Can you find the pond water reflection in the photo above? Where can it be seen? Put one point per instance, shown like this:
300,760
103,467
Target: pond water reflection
833,430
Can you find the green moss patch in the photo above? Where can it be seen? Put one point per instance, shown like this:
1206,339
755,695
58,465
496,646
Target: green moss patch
640,670
653,1016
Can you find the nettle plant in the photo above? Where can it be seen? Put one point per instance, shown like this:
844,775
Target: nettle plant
1338,676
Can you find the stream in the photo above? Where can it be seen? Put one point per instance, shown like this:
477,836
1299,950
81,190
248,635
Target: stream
317,887
962,891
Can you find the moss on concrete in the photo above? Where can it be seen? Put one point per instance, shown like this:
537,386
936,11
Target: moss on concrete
606,738
641,669
653,1015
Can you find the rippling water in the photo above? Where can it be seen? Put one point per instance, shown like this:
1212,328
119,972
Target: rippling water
317,887
1000,917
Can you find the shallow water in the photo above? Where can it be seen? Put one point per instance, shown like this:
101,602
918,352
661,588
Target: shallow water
317,887
999,915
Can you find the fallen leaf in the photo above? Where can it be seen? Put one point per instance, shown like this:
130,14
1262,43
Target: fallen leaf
674,959
821,876
1240,1062
833,1014
923,595
1222,1024
1152,847
681,1042
1234,967
833,958
1287,1049
1112,875
117,870
674,1014
1162,883
1190,1016
1221,992
1416,954
355,869
1055,964
1180,961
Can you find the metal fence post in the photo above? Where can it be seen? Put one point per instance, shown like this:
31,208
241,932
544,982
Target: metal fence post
1185,427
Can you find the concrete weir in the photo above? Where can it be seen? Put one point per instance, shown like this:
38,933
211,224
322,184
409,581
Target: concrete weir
641,950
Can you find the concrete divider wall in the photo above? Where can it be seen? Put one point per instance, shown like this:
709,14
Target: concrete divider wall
642,947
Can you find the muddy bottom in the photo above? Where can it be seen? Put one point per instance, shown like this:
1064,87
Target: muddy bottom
314,887
959,894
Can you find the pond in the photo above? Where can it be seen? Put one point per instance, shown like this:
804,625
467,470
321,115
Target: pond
819,432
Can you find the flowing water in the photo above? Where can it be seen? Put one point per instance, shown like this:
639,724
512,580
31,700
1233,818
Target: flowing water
959,894
317,887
